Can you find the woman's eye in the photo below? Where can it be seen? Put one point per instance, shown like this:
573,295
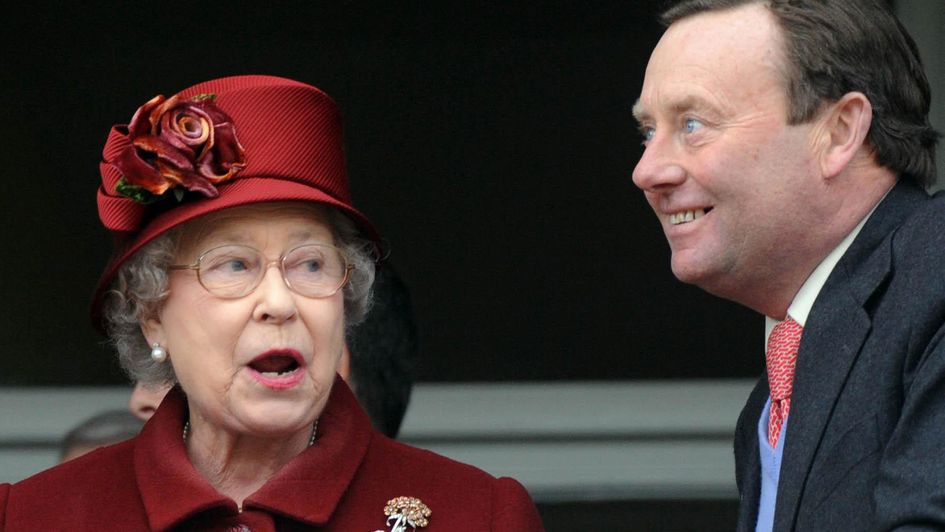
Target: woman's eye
311,266
692,125
228,265
236,265
306,265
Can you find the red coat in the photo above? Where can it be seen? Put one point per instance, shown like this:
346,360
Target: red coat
341,483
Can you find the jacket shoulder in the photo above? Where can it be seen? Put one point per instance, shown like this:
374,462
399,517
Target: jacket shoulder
457,493
513,508
4,493
383,448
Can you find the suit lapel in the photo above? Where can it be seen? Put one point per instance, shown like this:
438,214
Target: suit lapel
829,347
834,334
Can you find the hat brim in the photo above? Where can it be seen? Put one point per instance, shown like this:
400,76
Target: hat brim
242,191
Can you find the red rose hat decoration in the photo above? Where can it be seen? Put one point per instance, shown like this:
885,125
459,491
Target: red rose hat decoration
174,143
290,148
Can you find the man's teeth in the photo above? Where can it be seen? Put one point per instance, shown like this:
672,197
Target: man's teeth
685,216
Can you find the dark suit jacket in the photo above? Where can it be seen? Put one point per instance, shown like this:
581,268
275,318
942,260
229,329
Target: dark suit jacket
865,445
342,483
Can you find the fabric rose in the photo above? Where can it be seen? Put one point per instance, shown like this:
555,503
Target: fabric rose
189,143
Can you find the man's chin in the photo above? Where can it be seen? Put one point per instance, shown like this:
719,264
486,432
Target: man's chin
688,268
697,273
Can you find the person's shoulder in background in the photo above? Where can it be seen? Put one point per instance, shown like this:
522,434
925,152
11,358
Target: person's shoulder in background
105,428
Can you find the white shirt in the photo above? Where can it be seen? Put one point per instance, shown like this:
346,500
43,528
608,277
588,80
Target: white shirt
804,299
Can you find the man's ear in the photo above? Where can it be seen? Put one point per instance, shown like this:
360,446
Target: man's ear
846,124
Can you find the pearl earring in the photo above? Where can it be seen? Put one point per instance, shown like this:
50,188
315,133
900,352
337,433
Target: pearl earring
158,353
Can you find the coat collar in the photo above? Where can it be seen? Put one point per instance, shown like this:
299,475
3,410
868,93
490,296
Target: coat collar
838,325
307,489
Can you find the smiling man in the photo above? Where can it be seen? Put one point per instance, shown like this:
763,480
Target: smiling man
786,141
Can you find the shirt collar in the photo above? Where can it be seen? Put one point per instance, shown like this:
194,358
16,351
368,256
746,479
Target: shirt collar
804,300
306,489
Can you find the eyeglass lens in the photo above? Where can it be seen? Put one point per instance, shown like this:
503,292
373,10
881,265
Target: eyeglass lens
312,270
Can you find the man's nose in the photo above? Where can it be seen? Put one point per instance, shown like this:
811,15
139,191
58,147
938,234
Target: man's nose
659,168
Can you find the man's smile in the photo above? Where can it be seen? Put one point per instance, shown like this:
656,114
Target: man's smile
682,217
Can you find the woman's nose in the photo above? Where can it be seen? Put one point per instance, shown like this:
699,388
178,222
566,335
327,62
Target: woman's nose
275,300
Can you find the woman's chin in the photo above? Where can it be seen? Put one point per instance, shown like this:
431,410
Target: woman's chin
276,422
259,408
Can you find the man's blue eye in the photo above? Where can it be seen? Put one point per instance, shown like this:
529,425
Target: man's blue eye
647,133
692,125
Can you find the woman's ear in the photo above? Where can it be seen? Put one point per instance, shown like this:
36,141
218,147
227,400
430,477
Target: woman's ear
153,330
846,124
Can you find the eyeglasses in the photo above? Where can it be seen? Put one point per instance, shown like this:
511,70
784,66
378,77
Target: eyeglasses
232,271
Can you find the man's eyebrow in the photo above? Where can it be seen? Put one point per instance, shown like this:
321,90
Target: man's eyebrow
681,106
689,103
638,112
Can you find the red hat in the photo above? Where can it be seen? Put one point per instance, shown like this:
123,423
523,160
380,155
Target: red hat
226,142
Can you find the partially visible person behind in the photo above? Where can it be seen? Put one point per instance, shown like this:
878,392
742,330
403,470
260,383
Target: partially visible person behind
787,143
145,398
240,263
106,428
383,351
378,362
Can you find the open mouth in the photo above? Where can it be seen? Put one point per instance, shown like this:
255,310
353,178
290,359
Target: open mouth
274,366
277,369
683,217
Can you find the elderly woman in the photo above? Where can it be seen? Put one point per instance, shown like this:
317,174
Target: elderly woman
239,263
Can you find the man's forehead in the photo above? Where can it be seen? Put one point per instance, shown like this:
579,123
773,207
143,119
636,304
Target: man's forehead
711,56
746,32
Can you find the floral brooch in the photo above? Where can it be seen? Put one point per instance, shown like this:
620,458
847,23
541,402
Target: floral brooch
402,512
178,145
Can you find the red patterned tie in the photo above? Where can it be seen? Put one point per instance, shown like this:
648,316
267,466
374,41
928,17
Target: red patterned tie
781,360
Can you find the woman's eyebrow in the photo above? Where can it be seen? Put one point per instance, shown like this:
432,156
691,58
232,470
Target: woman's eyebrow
227,237
300,235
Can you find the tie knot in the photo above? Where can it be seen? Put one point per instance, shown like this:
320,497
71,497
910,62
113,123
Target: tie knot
781,357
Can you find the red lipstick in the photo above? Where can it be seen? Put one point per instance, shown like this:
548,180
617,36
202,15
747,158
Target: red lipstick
278,369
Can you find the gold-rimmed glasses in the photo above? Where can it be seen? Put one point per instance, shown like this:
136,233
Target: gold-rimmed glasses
234,270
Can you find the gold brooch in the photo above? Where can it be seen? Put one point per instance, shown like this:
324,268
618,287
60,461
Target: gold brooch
406,511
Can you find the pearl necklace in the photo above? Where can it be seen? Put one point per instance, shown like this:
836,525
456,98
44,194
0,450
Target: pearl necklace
311,440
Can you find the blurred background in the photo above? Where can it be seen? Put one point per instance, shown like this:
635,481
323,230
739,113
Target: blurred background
492,146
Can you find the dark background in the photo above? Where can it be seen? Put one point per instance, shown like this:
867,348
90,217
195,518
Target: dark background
492,147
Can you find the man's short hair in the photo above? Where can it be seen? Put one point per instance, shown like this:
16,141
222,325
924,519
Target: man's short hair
833,47
106,428
384,351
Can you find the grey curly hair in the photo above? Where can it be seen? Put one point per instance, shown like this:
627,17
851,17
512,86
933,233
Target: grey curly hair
141,287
